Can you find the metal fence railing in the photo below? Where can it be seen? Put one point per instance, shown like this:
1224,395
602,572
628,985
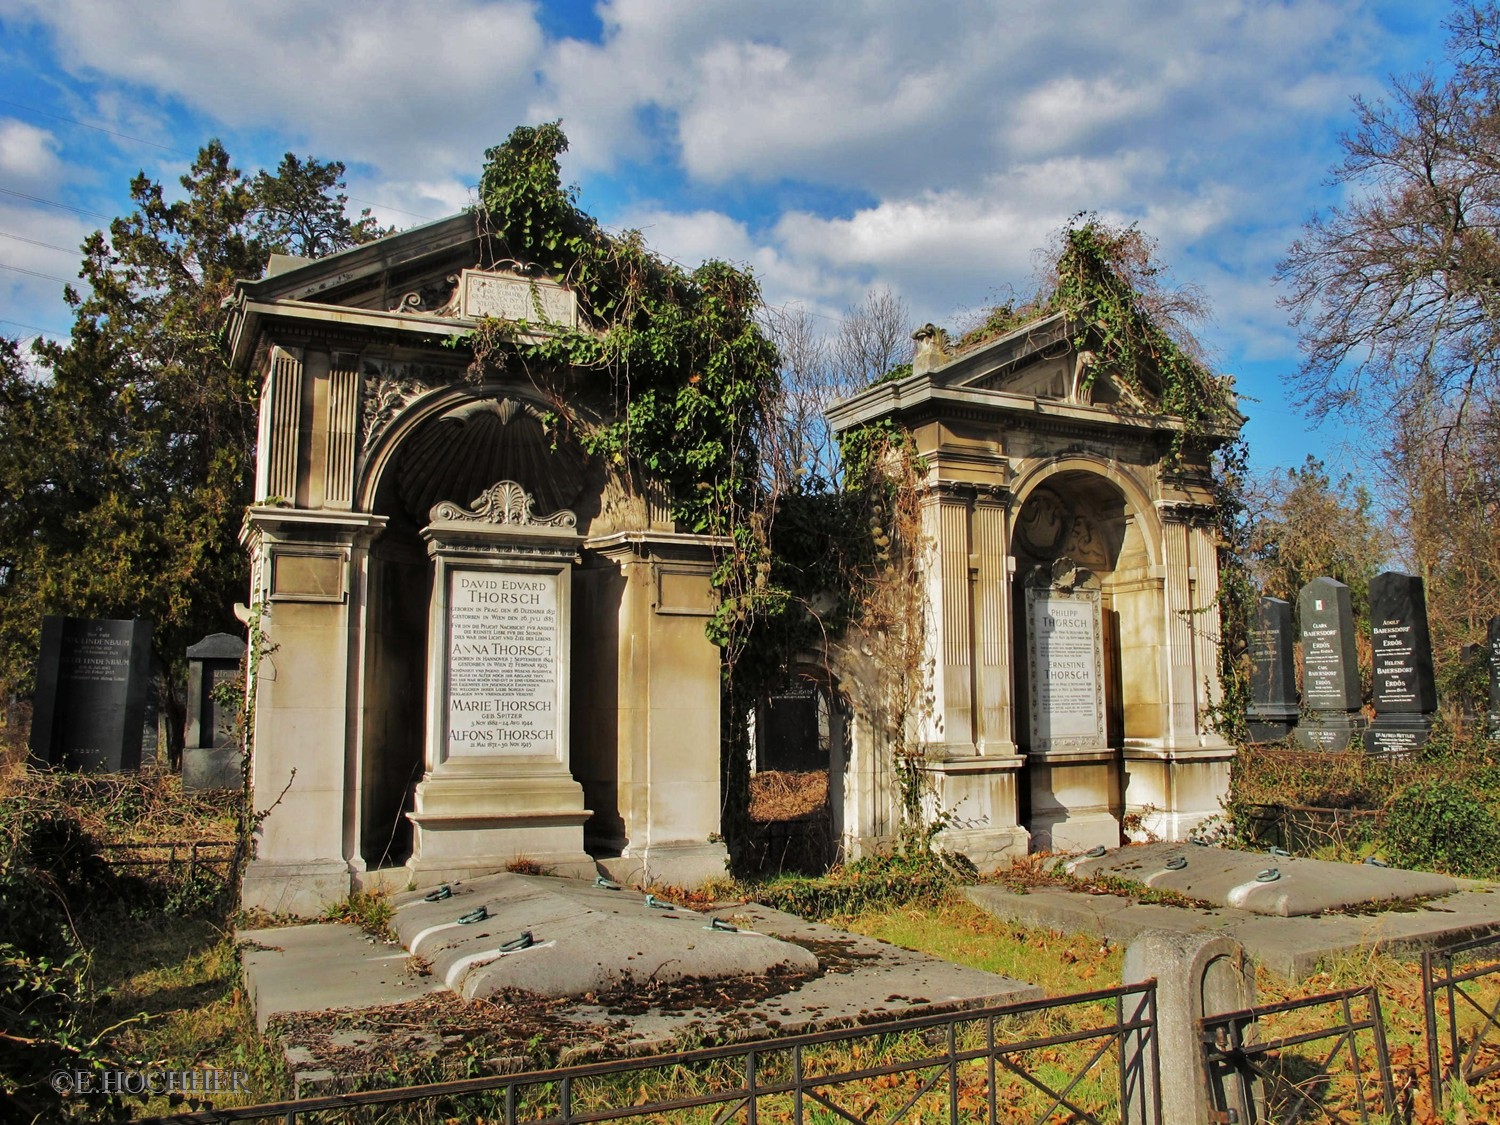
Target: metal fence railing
1090,1057
1463,1028
1303,829
1322,1058
179,857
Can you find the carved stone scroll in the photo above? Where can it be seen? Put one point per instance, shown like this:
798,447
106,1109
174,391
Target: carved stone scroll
506,504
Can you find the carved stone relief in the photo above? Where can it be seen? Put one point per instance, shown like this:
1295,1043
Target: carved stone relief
504,504
390,387
1049,526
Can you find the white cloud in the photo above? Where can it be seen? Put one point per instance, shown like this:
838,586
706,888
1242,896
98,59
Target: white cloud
28,155
403,86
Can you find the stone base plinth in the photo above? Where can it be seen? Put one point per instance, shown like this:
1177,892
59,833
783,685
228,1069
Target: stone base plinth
988,849
975,796
469,823
1170,792
1075,800
1270,725
673,865
1398,735
303,890
1330,730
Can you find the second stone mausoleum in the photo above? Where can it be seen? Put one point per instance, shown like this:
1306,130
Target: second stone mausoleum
1070,563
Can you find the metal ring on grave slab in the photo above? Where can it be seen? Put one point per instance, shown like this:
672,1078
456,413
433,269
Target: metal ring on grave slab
1371,861
604,884
1269,875
1200,843
478,914
720,924
515,945
1177,863
1279,853
656,904
445,891
1096,851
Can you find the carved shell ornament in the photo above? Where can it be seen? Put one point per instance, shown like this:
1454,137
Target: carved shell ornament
505,504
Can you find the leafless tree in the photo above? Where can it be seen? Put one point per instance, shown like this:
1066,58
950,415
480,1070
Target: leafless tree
818,369
1396,294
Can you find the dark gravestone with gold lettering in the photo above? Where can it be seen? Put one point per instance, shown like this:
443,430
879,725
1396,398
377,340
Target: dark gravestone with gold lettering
1273,674
1330,674
1404,692
211,754
90,700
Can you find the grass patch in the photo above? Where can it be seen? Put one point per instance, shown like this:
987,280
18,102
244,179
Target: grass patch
961,932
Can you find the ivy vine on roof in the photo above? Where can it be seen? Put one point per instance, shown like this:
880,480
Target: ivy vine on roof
689,369
1114,292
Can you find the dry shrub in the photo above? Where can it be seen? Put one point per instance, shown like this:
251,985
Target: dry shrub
787,794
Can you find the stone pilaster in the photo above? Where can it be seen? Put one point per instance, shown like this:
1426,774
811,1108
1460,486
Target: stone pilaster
343,430
992,615
949,730
280,414
1180,668
311,575
667,749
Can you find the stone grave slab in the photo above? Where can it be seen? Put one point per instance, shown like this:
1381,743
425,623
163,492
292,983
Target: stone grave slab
1227,877
301,972
587,939
325,966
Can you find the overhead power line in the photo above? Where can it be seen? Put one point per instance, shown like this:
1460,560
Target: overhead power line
52,203
33,327
96,128
34,273
43,245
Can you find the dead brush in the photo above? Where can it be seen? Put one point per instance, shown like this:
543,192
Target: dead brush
787,794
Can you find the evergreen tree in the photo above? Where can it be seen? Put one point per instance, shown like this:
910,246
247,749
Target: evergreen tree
127,465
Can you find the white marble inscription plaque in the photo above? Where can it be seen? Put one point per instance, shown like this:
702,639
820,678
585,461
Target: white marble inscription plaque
507,297
1067,697
502,663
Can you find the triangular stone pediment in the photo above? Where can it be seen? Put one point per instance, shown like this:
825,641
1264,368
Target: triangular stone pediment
1041,360
445,270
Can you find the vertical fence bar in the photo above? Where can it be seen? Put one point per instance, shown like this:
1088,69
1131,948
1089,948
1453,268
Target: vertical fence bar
750,1083
799,1076
1382,1055
990,1065
953,1072
1429,1014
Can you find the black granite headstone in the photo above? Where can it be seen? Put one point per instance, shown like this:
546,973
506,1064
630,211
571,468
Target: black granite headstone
211,757
1492,723
1405,694
90,701
1330,671
1273,675
789,732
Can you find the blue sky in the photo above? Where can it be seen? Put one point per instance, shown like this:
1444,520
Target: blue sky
835,147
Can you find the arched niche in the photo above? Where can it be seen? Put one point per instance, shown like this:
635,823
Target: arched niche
1102,520
447,445
1077,527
